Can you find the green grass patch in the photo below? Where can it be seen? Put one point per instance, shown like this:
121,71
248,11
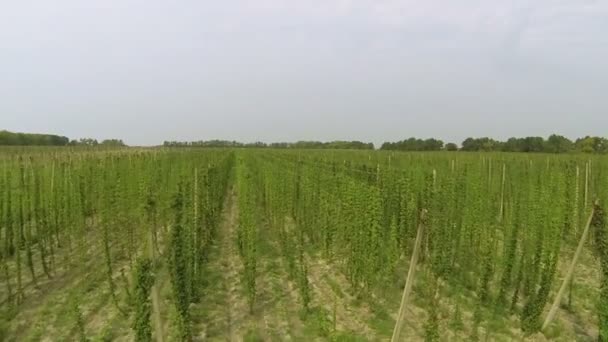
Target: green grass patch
253,336
381,322
335,287
317,322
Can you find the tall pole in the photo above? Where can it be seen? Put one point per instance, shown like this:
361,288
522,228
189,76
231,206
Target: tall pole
410,279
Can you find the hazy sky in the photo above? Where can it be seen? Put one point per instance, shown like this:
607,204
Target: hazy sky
270,70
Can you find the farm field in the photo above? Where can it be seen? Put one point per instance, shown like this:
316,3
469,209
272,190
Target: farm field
180,244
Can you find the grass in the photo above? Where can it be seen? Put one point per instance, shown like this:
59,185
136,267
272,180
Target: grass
317,322
382,322
253,336
334,286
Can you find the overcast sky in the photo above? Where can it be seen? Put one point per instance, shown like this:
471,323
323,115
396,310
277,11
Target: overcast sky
374,70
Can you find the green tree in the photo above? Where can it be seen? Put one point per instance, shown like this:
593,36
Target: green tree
559,144
590,144
113,142
451,147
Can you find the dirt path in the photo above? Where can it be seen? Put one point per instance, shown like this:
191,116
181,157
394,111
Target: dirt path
66,262
278,305
223,309
349,318
329,287
45,313
236,307
223,314
289,304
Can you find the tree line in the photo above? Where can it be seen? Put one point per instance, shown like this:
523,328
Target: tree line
353,145
31,139
553,144
34,139
94,142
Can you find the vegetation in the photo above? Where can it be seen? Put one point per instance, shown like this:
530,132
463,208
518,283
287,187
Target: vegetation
143,307
413,144
602,250
94,142
30,139
353,145
553,144
163,243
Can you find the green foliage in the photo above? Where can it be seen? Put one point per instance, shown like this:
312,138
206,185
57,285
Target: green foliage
113,142
558,144
66,210
592,144
495,236
84,142
180,267
143,306
353,145
451,147
553,144
303,284
431,327
456,323
79,324
480,144
413,144
30,139
349,212
601,245
247,232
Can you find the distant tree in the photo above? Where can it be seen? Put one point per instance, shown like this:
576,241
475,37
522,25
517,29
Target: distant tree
585,144
533,144
257,144
554,144
31,139
387,146
558,144
84,142
414,144
451,147
513,145
432,145
481,144
279,145
113,142
354,145
590,144
489,144
470,144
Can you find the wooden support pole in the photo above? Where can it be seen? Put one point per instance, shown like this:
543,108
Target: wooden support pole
566,280
410,279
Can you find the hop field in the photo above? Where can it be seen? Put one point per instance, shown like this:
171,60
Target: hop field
301,245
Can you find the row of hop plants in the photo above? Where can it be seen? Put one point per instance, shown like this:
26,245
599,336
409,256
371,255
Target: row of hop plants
196,207
277,195
496,224
247,230
59,212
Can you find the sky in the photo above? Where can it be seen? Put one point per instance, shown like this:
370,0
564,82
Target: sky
147,71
